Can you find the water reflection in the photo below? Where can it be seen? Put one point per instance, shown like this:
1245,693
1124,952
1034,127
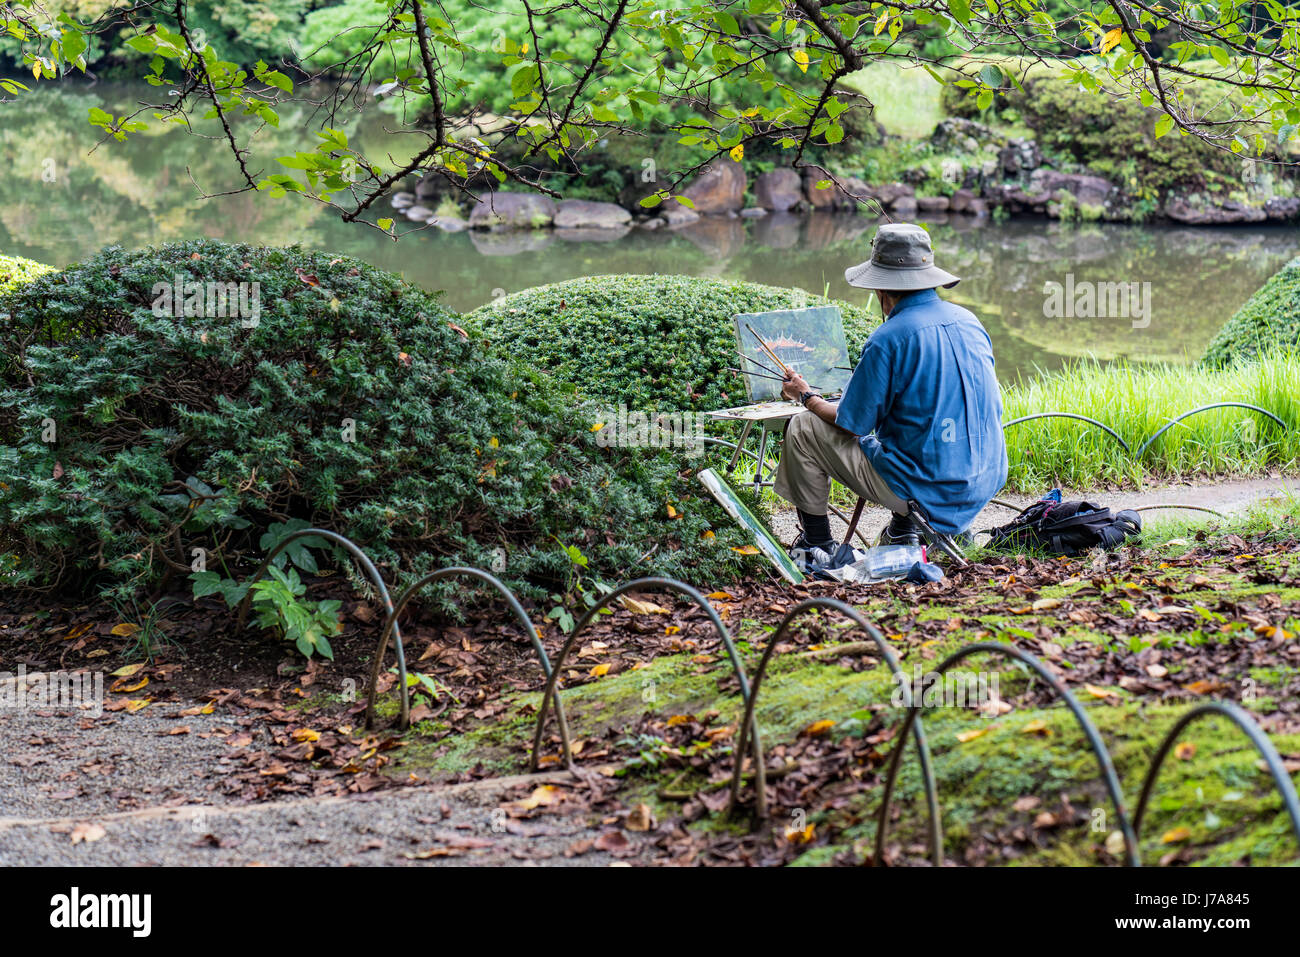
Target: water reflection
143,192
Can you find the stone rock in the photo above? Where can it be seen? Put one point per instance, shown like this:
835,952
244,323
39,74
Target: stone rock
402,200
854,194
818,198
1093,191
977,207
753,212
675,214
1282,209
512,211
1190,210
891,193
1020,156
957,133
778,190
904,206
932,204
960,201
418,214
720,189
584,214
653,223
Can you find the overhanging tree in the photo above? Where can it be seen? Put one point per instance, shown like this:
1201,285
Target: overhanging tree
721,76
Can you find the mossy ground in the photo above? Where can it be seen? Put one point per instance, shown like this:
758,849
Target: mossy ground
1213,803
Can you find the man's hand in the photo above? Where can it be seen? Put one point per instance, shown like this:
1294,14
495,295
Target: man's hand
794,386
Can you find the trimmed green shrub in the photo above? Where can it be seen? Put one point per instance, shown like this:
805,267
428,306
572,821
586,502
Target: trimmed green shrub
132,434
15,270
653,342
1269,321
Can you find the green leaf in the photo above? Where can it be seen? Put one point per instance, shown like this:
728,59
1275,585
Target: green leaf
524,80
144,42
961,10
205,583
1164,125
74,44
991,75
385,224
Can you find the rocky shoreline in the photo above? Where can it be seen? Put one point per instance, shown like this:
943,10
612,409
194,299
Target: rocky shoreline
1013,179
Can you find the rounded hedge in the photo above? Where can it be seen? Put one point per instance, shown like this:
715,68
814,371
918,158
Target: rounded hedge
655,342
1269,321
14,271
132,434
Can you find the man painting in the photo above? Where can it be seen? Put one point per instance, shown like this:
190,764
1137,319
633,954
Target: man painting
921,417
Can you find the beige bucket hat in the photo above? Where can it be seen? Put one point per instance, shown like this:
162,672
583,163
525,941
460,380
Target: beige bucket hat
901,260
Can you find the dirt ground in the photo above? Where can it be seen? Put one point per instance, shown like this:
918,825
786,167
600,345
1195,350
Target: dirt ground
223,748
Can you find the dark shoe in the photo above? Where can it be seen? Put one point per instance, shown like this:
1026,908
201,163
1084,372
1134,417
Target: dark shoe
807,555
901,530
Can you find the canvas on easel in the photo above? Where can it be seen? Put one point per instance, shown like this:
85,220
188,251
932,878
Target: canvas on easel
767,545
810,341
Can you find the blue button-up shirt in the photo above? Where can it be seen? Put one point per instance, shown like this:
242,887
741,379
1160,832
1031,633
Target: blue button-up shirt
924,400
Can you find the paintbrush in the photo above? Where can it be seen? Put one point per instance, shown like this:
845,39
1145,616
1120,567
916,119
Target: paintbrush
762,344
759,375
757,363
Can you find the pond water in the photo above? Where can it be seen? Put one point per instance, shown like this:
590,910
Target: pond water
62,198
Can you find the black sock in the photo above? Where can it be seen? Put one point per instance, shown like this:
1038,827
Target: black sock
816,528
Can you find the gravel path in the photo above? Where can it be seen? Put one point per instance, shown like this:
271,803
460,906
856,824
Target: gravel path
126,790
60,762
457,824
1228,497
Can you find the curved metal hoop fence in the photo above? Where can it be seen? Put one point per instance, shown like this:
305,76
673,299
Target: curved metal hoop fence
512,603
376,579
1272,760
748,734
1161,431
1140,508
670,584
1204,408
891,659
1069,415
1104,762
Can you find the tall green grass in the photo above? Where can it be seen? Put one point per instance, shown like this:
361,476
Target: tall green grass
1136,401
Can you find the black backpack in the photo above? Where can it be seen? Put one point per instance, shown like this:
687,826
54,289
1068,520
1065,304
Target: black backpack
1067,528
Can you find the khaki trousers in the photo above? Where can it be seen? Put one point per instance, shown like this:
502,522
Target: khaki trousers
815,452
